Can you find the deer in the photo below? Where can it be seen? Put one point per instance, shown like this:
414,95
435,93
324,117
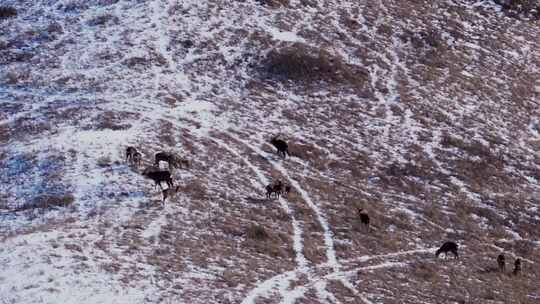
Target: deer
136,158
172,160
130,152
501,262
281,146
517,267
448,247
287,189
158,177
364,218
274,189
269,190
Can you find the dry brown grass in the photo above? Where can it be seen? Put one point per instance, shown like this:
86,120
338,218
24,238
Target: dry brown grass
301,63
257,232
266,241
103,20
114,120
7,12
166,133
220,204
48,201
104,161
274,3
25,127
521,8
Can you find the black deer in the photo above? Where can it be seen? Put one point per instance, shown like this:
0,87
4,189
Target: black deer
501,262
275,189
287,189
159,176
130,153
517,267
136,158
171,159
281,146
448,247
269,190
364,218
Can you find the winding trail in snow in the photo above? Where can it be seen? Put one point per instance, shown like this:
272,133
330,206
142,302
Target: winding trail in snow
281,281
328,235
318,282
332,262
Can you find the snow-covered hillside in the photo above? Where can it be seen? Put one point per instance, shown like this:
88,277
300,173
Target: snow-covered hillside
423,113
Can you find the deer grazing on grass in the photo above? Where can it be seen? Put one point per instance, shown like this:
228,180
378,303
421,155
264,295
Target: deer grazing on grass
448,247
158,177
275,189
281,146
364,218
517,267
171,159
130,153
501,262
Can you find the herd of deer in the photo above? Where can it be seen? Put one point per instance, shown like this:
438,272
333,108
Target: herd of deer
174,161
155,173
272,190
501,260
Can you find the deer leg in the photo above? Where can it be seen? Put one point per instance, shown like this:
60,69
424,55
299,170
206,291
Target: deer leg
164,193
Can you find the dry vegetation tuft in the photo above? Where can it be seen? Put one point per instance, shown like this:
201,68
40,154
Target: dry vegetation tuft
48,201
114,120
301,63
274,3
521,8
7,12
257,232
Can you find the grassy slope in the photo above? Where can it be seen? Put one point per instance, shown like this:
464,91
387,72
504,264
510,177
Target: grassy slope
423,114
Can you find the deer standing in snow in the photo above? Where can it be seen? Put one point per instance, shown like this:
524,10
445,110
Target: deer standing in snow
281,146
